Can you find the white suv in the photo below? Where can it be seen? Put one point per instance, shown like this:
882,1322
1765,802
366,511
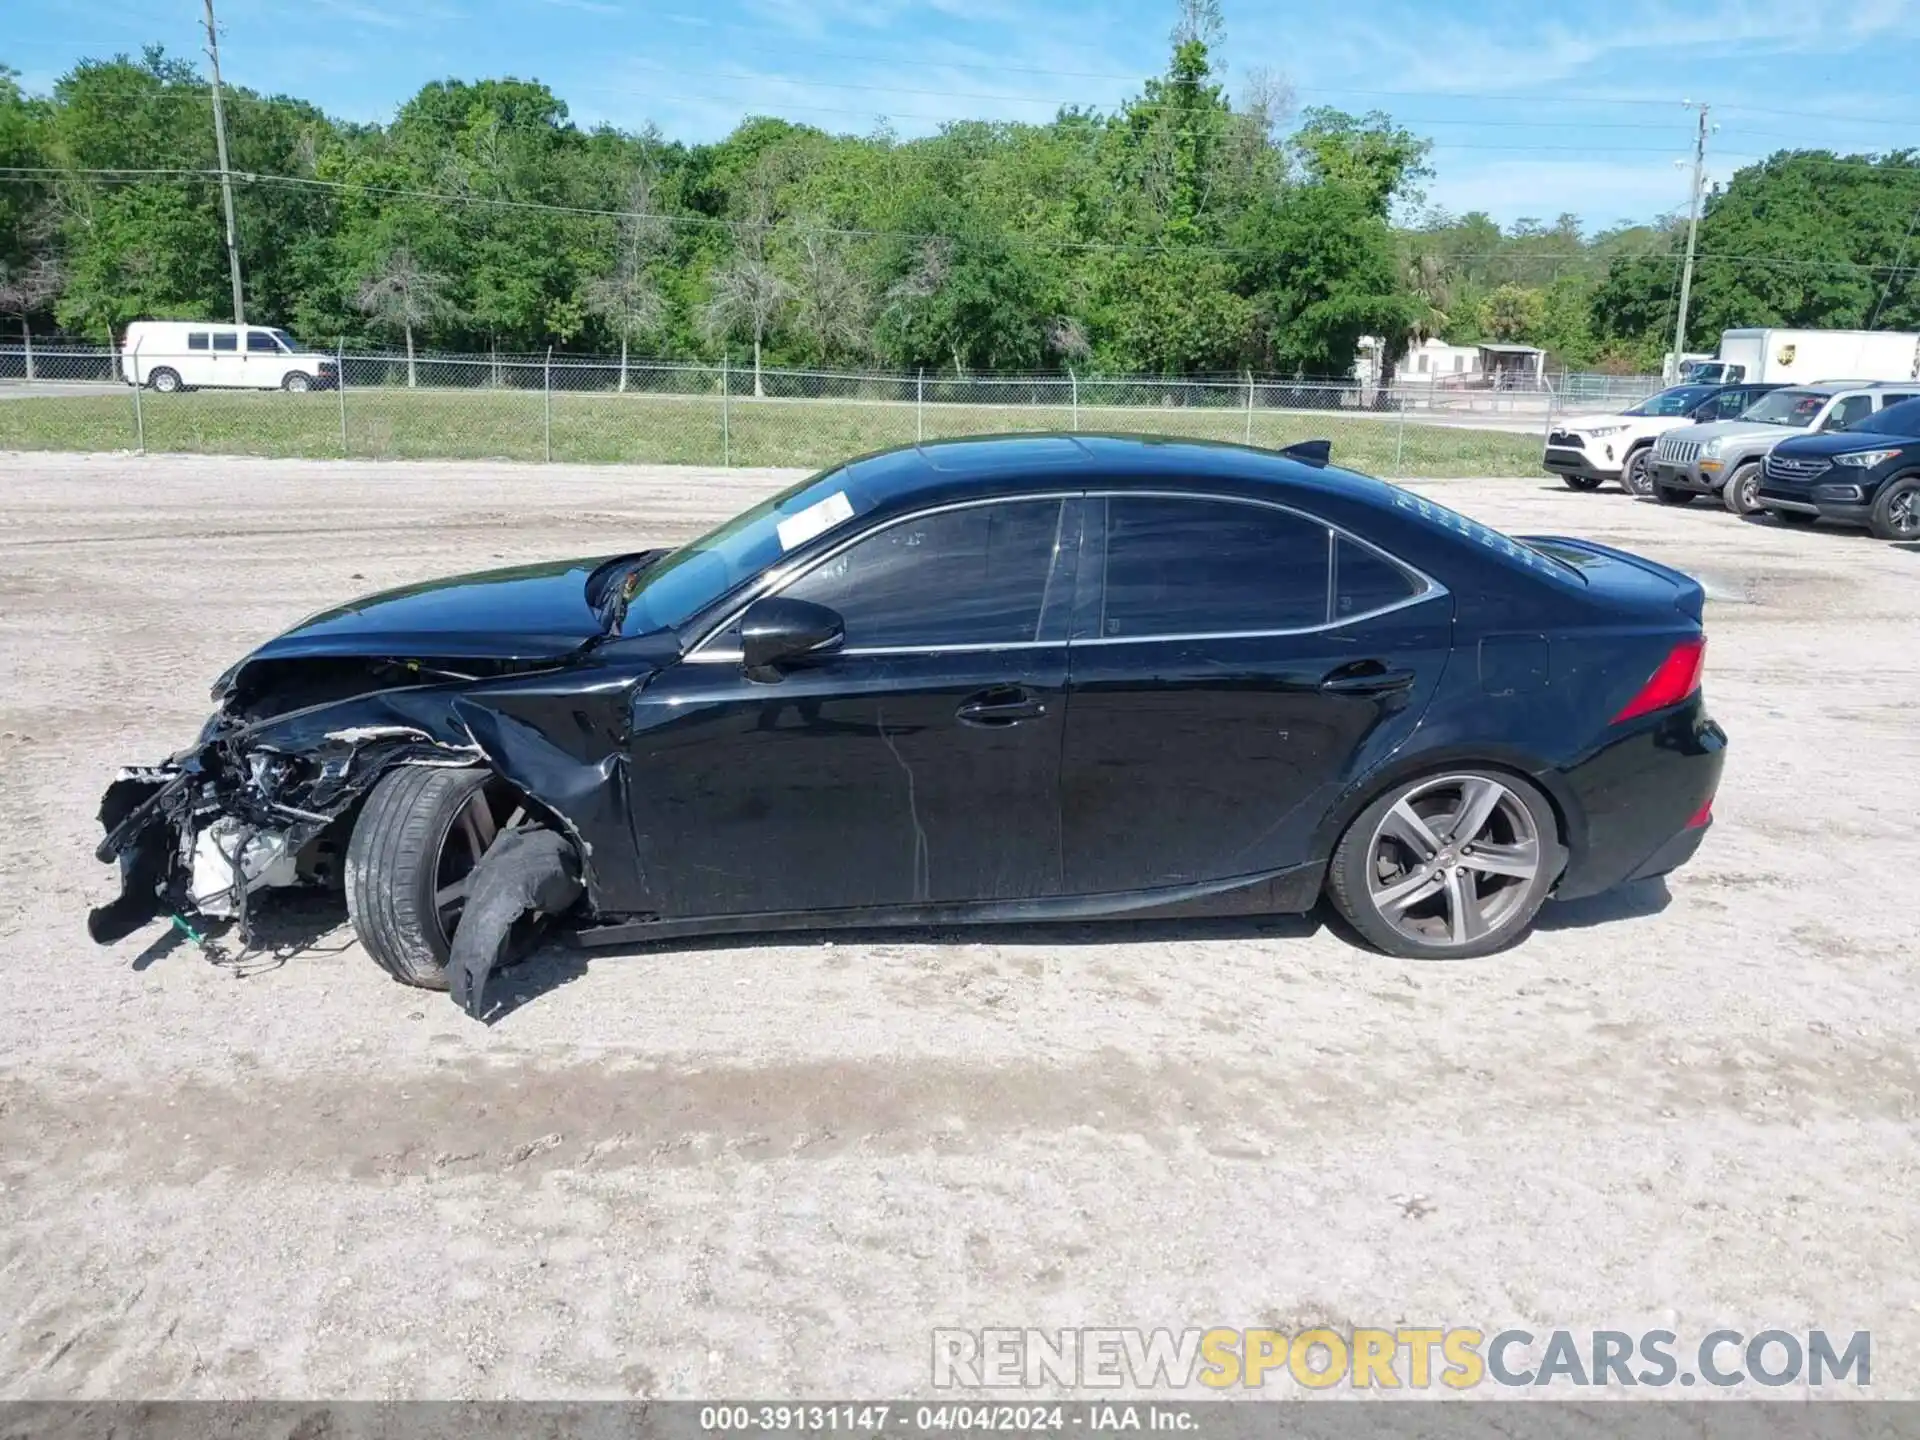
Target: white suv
1586,451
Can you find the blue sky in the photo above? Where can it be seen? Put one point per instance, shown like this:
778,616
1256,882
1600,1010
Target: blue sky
1535,106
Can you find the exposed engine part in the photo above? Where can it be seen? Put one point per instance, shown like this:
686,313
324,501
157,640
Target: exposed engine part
228,854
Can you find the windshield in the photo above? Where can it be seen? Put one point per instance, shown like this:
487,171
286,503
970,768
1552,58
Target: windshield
1795,408
672,592
1902,419
1677,401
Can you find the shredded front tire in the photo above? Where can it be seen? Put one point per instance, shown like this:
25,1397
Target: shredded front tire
395,872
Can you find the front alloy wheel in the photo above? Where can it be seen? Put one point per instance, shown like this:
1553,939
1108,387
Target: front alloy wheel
1449,866
1741,493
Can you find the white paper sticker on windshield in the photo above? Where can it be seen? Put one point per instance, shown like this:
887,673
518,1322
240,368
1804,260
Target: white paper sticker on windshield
822,515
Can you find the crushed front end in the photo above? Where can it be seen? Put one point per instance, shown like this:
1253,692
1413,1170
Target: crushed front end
248,807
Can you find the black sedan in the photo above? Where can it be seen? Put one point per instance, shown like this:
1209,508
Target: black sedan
1014,679
1867,474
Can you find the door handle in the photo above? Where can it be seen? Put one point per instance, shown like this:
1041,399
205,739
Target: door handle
1366,677
1006,706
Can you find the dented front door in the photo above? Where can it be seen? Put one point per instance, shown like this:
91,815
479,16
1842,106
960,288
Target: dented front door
920,765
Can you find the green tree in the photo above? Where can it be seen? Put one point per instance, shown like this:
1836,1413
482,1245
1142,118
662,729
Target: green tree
402,295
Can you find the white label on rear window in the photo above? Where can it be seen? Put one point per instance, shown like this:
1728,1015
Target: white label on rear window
817,518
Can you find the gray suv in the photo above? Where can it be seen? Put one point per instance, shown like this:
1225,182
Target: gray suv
1724,458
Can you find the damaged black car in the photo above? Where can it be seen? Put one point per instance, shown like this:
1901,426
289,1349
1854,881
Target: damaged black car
1012,679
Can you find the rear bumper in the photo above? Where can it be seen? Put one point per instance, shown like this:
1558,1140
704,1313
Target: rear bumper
1640,801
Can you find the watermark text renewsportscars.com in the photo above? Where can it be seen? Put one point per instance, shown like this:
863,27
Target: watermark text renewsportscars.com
1399,1358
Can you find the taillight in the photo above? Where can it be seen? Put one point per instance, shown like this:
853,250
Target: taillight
1702,816
1676,679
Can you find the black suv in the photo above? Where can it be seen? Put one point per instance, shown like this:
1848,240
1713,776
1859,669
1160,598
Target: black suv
1867,474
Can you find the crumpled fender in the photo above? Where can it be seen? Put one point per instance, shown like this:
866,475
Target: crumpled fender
527,870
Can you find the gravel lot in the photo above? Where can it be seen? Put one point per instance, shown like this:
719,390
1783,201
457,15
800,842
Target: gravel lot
772,1168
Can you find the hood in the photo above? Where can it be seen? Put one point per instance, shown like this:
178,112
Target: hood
1842,442
526,612
1726,429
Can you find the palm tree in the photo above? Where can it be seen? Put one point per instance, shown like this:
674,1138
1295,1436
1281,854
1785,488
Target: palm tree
403,296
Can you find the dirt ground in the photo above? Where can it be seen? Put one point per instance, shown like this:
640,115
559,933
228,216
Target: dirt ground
772,1168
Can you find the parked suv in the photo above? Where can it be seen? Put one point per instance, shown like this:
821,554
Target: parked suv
1586,451
1868,475
1725,458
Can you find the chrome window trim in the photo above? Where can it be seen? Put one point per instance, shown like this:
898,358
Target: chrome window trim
773,580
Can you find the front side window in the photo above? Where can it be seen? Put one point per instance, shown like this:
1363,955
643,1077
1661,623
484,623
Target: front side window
259,342
1680,400
1849,409
227,341
1197,566
973,576
1793,408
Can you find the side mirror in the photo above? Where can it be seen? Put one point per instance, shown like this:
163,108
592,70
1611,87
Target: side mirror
777,631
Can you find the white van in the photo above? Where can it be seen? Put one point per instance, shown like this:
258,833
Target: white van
170,355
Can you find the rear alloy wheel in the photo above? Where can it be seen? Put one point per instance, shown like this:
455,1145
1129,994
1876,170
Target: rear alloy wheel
297,383
410,861
1581,482
1896,513
1635,479
1741,493
164,381
1667,495
1449,866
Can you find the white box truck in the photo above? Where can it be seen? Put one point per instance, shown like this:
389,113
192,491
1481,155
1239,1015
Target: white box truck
1809,357
170,355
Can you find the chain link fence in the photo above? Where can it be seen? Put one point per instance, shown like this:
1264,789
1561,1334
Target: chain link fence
601,409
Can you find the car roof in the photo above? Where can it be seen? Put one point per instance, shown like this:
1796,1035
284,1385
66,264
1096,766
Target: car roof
998,464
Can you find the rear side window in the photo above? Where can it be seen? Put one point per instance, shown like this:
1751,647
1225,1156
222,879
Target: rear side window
1196,566
974,576
1365,580
260,342
196,340
1887,400
226,342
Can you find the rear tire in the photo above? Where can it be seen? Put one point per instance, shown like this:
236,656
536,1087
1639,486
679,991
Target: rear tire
1448,866
1634,478
1896,512
1581,482
297,383
1667,495
164,381
421,831
1741,493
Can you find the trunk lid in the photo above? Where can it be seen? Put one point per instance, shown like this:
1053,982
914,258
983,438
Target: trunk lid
1623,576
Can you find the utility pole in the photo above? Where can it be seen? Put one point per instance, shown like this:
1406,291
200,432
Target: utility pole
1693,233
226,175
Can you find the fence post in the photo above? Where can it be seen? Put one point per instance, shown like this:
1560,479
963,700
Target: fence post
726,413
1074,380
548,407
340,384
920,406
1249,407
139,418
1400,433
